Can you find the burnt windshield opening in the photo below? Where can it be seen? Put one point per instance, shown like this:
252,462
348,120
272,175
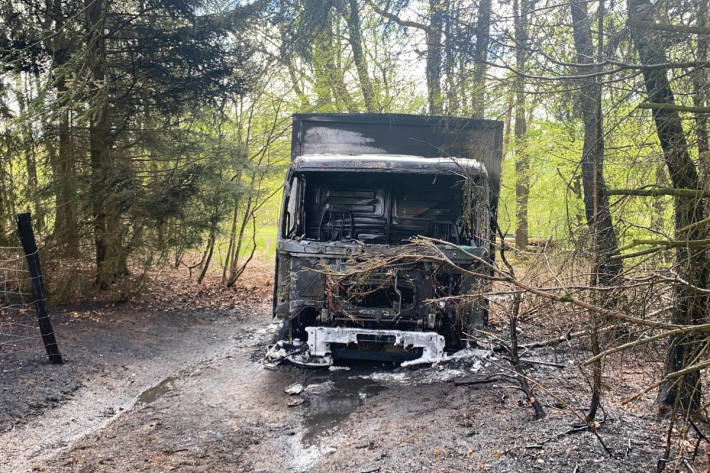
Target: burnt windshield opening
382,208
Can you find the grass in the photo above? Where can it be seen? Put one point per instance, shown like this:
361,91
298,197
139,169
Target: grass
265,241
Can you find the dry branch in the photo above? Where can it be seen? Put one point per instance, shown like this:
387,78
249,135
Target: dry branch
673,106
567,298
642,341
564,338
660,192
667,27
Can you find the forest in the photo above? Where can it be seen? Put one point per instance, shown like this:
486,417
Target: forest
153,134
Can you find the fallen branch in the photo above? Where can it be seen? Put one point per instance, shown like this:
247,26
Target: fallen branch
480,380
543,363
670,243
573,430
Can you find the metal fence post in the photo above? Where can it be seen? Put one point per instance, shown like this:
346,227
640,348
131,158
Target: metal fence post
27,238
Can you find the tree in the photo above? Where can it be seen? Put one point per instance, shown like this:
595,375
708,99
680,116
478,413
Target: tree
63,160
315,38
433,58
433,36
352,17
134,69
596,200
689,301
522,163
483,29
327,67
700,97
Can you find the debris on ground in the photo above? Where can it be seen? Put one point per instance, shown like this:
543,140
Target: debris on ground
294,389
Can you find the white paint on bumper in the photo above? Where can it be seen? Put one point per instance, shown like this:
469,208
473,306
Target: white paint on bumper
431,343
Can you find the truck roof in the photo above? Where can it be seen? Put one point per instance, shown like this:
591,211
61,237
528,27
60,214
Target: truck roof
397,163
340,136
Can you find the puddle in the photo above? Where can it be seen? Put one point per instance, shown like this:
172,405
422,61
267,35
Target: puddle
335,394
328,408
158,391
154,393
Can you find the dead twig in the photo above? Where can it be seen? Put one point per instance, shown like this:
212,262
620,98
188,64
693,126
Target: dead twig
543,363
480,380
575,429
515,359
568,336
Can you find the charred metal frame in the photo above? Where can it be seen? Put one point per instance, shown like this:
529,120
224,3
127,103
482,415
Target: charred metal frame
321,242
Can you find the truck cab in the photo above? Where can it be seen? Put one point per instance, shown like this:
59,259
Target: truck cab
360,192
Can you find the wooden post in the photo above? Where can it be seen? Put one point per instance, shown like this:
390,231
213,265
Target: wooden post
27,238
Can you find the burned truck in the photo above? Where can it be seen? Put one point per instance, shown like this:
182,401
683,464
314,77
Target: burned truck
385,234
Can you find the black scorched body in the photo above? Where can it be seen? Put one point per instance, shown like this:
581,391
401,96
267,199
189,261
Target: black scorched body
359,193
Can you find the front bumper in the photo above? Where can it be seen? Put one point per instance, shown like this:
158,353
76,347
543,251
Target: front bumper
321,339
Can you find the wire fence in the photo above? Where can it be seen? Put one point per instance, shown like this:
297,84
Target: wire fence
23,305
18,324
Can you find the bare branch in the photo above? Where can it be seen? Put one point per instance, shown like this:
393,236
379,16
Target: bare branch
672,106
398,20
667,27
660,192
567,298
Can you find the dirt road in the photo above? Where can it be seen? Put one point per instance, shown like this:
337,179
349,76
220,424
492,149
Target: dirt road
188,392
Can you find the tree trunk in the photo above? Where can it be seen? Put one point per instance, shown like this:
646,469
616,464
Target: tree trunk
354,36
433,33
23,94
508,122
107,235
330,79
207,257
658,221
324,94
235,268
483,29
66,227
433,57
596,200
288,60
689,304
700,96
522,163
232,239
66,222
296,83
32,181
6,199
452,98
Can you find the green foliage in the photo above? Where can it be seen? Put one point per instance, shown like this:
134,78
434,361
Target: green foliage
555,188
195,104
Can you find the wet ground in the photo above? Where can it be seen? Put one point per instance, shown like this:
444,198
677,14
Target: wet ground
188,392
